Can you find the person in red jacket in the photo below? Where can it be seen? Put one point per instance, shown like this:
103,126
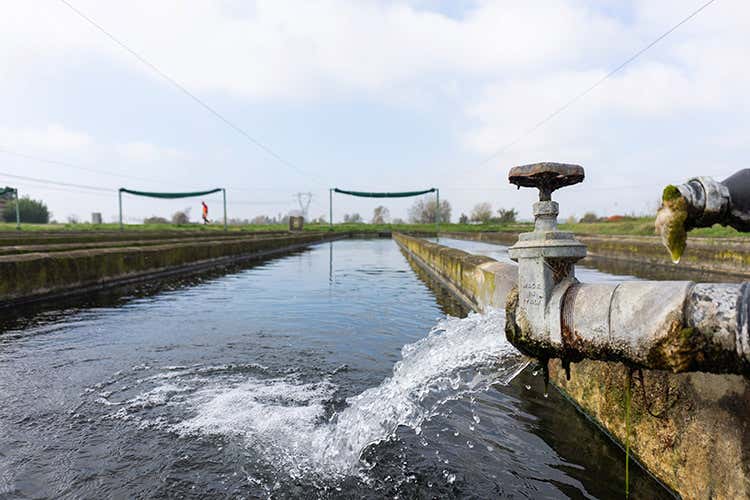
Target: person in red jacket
205,212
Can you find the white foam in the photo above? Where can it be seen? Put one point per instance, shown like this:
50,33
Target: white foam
282,419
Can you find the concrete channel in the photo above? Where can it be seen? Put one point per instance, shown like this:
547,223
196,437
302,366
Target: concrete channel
689,430
50,266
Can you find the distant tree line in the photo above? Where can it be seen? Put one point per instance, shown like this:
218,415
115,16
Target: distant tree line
423,211
30,211
482,213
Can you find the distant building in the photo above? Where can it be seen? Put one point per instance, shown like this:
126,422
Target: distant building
296,223
96,217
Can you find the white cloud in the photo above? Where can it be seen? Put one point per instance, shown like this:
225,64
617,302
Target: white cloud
53,137
144,152
502,66
692,72
299,49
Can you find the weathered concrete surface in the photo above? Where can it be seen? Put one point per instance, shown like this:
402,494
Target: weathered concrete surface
136,242
52,237
35,276
692,431
730,256
724,255
481,282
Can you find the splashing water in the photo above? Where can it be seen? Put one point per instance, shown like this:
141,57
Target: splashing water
283,419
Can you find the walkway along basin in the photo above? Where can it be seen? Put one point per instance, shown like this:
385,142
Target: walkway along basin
233,385
689,430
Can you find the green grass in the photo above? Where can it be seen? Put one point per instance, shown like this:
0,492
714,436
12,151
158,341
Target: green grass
365,228
137,227
643,226
463,228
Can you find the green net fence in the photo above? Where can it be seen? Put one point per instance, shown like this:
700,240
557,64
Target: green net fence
171,196
370,194
403,194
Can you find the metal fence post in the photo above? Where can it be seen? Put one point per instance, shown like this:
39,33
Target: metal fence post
437,211
224,194
119,196
18,210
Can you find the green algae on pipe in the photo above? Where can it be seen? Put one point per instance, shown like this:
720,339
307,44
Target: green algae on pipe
670,222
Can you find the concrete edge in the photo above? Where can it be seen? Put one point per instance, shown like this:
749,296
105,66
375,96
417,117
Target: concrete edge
457,293
181,270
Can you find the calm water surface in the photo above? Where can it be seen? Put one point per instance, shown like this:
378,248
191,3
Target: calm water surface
270,380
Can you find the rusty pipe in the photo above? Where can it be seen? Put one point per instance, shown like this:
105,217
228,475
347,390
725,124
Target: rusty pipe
673,325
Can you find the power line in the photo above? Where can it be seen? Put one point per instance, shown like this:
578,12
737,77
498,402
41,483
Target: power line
185,91
57,183
78,167
242,202
62,163
46,188
583,94
71,187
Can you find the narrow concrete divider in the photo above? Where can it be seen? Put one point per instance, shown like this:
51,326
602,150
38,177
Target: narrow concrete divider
727,256
480,282
37,276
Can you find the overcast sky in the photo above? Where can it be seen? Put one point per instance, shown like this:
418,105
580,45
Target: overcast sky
391,95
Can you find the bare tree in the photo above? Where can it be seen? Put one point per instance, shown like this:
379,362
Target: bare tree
482,212
380,215
261,220
589,217
506,216
181,217
155,219
425,211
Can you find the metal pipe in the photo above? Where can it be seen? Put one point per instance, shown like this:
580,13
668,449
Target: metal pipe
664,325
330,209
678,326
703,202
711,202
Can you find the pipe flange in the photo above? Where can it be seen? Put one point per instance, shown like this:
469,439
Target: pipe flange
708,200
553,312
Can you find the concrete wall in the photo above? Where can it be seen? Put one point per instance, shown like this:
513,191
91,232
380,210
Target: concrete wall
33,276
479,281
730,256
692,431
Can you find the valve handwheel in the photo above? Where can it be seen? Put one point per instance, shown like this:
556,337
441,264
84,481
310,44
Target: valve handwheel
546,176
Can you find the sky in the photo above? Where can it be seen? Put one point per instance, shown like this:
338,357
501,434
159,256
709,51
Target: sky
388,95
